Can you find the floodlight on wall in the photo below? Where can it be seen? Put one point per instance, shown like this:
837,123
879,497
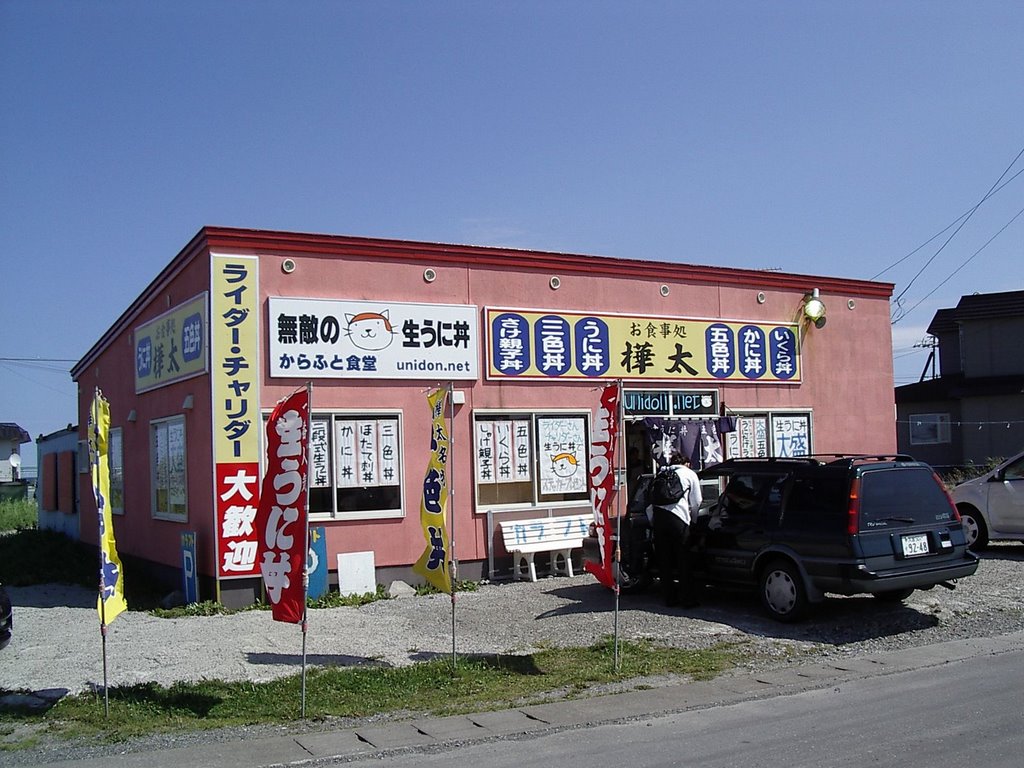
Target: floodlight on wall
814,309
188,403
132,416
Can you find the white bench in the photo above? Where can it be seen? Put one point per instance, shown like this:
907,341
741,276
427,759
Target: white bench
557,535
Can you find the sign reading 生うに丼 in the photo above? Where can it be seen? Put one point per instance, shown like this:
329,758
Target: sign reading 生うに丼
321,338
566,345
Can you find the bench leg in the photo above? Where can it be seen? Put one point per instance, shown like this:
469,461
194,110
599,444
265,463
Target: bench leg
561,562
524,566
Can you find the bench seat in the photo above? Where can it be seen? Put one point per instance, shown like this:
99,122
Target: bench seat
557,535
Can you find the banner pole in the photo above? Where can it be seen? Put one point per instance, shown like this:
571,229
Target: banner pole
94,460
453,565
619,446
305,549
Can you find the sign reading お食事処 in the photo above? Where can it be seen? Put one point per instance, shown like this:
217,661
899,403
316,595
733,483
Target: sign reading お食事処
567,345
172,347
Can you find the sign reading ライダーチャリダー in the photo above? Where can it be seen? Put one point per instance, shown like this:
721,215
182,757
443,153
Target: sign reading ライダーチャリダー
321,338
540,344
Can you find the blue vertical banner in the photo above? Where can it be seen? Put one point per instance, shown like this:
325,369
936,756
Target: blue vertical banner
316,563
189,572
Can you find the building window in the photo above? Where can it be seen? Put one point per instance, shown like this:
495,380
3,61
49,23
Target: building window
115,459
167,457
355,469
776,433
929,428
531,459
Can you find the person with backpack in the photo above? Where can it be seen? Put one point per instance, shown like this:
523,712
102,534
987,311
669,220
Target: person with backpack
676,498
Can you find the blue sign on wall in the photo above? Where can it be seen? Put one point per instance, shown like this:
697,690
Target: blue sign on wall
316,563
189,573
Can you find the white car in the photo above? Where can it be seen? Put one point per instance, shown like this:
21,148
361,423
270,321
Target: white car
992,506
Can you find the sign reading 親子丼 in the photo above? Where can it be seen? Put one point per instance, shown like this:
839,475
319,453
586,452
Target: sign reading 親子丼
319,338
544,345
172,347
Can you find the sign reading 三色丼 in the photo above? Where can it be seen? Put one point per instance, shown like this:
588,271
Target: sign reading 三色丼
567,345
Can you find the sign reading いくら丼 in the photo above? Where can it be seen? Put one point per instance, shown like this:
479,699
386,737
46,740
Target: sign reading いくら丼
567,345
172,346
321,338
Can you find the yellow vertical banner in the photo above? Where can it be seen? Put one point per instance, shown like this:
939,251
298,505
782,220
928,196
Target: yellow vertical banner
110,602
433,565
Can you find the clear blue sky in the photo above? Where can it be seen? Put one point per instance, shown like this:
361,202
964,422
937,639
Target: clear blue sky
827,138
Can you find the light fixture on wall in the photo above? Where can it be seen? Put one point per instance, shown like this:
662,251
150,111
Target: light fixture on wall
814,309
187,403
132,416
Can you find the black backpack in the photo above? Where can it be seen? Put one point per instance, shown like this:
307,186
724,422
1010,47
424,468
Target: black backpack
667,487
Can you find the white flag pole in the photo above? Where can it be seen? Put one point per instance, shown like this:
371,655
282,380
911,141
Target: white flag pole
305,549
453,564
617,457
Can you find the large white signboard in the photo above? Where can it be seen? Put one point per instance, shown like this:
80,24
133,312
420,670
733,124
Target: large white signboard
319,338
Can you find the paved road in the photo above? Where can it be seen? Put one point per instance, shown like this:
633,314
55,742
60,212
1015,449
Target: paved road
938,706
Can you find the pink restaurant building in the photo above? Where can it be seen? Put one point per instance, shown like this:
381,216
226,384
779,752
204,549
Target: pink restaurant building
721,362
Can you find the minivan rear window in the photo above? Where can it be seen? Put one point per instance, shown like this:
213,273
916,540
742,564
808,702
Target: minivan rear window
905,496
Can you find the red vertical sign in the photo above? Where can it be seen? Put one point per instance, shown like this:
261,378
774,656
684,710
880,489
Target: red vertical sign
602,479
281,521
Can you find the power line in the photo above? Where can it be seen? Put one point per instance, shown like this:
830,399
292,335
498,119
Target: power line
966,262
960,226
945,229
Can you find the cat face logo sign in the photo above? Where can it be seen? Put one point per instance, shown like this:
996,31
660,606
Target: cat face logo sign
371,331
564,464
365,339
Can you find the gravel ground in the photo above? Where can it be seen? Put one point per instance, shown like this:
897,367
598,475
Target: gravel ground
57,647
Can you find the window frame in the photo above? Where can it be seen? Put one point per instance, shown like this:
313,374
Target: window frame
939,422
332,416
115,466
771,417
537,500
154,427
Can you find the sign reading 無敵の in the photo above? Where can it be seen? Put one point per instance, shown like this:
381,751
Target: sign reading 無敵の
321,338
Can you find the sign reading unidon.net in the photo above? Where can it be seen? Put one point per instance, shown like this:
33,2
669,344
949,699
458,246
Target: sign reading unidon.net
320,338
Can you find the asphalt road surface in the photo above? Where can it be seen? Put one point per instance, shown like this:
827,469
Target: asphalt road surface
962,713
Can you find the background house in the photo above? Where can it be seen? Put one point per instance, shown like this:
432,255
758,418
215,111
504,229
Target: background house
973,409
12,437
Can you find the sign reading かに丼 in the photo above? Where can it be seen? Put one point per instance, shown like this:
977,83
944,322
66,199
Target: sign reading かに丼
568,345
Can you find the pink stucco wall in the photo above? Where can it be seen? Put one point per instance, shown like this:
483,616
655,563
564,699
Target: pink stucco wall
847,379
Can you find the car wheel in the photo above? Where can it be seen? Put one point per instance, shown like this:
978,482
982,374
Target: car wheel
894,595
974,528
782,591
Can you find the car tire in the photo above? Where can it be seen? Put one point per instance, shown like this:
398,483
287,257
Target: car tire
782,591
974,528
894,595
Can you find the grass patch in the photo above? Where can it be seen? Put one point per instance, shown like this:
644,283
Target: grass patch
16,515
429,688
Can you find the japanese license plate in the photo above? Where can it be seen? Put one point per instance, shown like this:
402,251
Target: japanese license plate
915,544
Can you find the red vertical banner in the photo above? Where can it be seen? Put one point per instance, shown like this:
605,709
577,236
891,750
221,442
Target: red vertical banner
603,442
282,520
